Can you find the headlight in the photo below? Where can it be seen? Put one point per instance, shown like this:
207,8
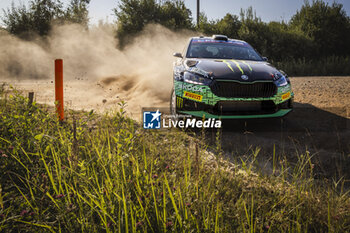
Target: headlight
196,79
280,80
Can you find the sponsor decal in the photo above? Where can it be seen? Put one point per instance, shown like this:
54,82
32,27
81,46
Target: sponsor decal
179,102
250,68
238,66
191,87
151,120
228,65
178,85
286,96
219,41
284,89
193,96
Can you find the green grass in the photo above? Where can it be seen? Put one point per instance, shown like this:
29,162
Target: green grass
104,173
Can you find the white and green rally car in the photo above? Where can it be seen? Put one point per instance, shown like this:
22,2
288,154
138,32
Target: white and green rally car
217,77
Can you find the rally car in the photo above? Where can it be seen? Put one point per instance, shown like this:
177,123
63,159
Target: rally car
218,77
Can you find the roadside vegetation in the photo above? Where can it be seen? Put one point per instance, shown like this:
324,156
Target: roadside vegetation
37,18
313,42
104,173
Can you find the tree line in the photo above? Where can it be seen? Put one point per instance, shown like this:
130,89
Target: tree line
317,32
40,15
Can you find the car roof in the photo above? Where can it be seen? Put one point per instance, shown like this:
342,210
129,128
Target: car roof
211,39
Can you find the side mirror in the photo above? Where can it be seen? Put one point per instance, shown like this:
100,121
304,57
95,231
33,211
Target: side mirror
265,59
179,55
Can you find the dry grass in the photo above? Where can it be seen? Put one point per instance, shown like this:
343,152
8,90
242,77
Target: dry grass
106,174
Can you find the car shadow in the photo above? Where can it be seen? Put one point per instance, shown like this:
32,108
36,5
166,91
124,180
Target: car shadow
304,117
323,133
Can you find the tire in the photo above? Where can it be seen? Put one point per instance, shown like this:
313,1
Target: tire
173,109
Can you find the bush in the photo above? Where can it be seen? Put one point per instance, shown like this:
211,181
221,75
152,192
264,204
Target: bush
314,42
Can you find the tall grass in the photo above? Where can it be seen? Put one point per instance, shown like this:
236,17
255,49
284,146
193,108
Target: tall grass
104,173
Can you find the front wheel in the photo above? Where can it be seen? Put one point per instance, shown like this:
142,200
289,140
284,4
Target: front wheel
173,103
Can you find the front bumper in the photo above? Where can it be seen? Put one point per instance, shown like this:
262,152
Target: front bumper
201,114
200,101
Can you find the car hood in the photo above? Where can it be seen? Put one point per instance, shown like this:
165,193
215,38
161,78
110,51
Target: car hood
234,69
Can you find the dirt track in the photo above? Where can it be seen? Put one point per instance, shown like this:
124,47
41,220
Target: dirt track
328,93
100,95
319,123
323,92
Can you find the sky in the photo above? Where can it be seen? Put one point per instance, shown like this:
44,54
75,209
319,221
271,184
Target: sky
267,10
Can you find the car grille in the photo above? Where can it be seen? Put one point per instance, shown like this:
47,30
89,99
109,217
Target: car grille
231,89
244,107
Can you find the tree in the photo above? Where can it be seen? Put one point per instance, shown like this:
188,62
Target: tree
39,17
328,26
36,19
77,12
133,15
254,31
175,15
208,27
286,43
229,25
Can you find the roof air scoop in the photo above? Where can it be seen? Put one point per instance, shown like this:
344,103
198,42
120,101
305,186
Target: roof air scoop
220,37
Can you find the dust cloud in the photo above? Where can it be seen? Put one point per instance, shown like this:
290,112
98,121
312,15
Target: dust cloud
97,75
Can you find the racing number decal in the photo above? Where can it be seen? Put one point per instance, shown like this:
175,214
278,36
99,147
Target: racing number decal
193,96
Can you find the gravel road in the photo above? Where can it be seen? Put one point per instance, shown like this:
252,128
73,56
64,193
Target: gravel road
319,124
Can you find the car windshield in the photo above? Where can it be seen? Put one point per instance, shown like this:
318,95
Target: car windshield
207,48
